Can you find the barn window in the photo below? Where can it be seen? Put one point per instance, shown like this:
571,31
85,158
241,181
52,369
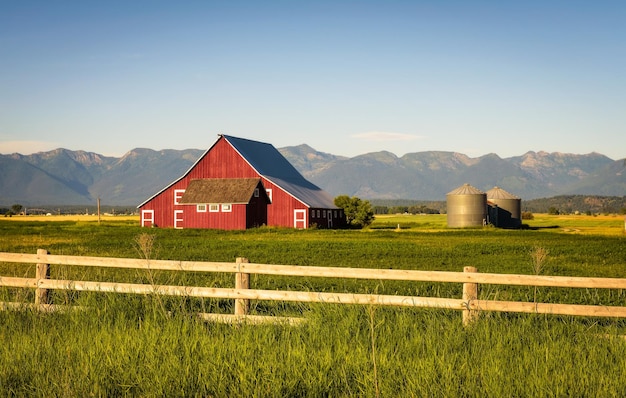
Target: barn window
201,208
318,214
269,194
256,192
323,213
178,193
226,207
214,208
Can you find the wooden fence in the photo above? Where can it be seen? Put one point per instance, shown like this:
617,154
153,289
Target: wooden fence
469,304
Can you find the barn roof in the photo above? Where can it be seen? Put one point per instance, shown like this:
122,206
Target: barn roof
271,164
220,190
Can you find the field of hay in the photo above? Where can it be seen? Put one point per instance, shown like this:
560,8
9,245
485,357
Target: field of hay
612,224
74,217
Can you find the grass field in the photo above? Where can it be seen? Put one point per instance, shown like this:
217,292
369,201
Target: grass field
612,224
148,346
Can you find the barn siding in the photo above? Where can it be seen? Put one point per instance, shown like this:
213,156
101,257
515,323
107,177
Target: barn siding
222,161
235,219
280,212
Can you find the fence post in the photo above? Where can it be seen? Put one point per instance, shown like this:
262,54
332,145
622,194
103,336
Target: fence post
470,292
42,272
242,281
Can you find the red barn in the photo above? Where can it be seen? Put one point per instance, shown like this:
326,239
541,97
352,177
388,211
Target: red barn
239,184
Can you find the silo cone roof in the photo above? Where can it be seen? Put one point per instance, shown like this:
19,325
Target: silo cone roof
466,189
499,193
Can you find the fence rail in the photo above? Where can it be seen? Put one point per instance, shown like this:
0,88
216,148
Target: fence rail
242,293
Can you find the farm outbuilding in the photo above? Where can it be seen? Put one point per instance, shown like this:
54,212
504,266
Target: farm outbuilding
505,209
237,184
466,207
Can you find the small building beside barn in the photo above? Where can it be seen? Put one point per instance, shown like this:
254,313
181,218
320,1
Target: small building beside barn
505,209
238,184
466,207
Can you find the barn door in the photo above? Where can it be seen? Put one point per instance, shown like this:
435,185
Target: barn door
299,219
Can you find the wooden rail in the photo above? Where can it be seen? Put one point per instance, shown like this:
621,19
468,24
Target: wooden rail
469,303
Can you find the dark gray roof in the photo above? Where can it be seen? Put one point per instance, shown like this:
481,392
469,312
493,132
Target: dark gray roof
220,190
271,164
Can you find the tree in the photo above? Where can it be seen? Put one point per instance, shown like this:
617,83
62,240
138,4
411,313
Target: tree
359,213
16,208
381,210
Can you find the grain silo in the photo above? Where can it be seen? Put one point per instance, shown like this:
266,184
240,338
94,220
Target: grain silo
505,209
467,207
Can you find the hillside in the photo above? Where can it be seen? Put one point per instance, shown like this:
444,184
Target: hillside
431,175
64,177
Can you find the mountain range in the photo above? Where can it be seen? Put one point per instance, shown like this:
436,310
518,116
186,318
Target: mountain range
65,177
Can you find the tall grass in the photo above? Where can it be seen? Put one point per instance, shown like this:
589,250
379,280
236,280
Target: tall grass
128,345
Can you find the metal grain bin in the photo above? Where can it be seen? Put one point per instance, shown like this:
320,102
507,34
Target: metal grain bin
467,207
505,209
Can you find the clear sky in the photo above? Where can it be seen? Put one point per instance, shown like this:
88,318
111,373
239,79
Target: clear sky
345,77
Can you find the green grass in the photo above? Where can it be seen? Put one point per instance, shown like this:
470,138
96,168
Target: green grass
132,345
129,349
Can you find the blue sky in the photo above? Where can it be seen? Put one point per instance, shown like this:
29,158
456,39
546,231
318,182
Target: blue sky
345,77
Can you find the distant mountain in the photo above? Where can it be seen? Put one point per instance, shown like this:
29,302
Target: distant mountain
64,177
431,175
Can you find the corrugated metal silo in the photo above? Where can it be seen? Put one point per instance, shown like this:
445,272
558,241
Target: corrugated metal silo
467,207
505,208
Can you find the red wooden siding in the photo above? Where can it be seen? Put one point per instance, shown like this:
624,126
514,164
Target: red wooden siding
235,219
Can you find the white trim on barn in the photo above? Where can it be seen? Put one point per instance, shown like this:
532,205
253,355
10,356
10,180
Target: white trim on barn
299,218
177,219
145,219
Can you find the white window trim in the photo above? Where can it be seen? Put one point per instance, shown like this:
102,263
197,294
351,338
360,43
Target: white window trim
256,192
214,208
201,208
269,193
227,207
178,194
147,216
177,219
299,216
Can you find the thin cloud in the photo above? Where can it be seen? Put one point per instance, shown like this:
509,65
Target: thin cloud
386,136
